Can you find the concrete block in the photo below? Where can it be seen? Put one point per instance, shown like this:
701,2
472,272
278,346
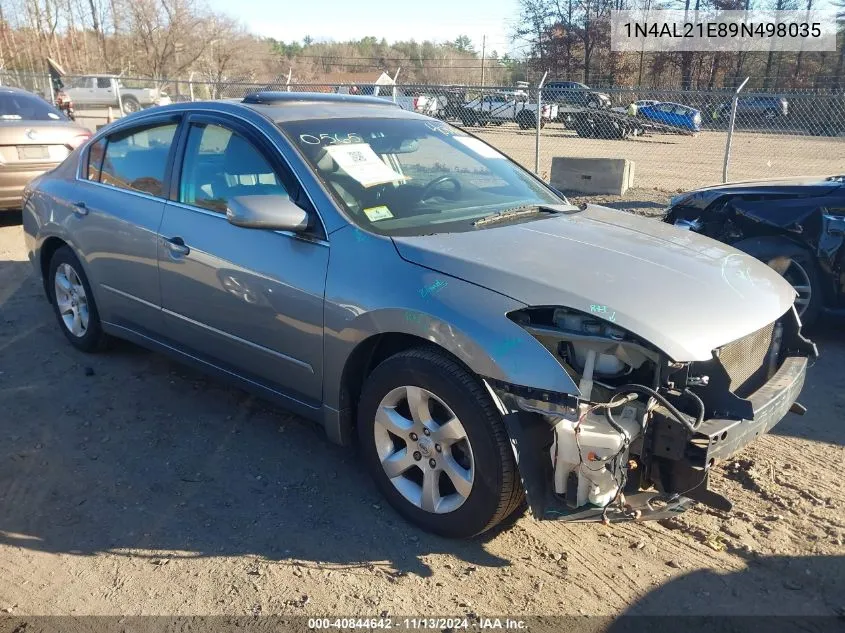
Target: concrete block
592,175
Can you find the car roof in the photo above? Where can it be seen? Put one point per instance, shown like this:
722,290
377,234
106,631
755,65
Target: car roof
299,106
19,91
277,97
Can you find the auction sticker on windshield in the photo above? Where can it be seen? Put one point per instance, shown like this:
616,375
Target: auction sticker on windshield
361,163
374,214
479,147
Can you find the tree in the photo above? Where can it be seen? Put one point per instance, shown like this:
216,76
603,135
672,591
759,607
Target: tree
463,44
768,77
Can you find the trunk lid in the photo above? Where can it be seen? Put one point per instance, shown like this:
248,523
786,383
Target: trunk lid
37,142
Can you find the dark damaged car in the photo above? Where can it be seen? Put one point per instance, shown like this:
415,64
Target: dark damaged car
796,226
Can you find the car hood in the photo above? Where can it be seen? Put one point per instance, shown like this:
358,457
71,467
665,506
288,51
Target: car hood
800,187
684,293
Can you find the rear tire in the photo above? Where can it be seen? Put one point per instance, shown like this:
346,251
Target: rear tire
796,265
130,105
73,302
489,489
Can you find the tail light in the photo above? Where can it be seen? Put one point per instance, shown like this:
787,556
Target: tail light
416,100
77,140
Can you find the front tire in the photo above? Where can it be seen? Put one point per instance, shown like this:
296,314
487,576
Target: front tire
73,302
436,446
796,265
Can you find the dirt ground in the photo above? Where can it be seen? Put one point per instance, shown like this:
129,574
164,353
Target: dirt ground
131,485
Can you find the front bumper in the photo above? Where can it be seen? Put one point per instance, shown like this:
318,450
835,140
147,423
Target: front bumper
725,438
677,465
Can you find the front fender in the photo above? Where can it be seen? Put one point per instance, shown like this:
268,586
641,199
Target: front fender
468,321
504,352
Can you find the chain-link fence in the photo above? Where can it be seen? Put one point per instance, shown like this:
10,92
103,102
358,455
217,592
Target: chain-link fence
678,139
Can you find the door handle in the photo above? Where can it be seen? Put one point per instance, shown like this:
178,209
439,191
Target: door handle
80,209
177,246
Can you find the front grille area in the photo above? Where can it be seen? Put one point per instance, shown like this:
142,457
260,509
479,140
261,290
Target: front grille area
746,360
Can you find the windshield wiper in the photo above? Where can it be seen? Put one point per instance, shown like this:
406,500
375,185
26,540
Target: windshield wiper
523,211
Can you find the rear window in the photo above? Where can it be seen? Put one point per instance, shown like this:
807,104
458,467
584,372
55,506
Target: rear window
137,159
17,106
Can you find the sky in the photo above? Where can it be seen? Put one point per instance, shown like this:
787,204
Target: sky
341,20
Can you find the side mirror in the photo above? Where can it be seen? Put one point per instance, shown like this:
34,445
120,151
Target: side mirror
274,212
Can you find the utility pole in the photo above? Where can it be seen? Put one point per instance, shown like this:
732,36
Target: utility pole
483,46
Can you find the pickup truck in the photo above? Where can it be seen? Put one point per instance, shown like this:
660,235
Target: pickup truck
502,108
101,91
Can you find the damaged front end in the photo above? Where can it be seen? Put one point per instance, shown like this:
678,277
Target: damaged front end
640,440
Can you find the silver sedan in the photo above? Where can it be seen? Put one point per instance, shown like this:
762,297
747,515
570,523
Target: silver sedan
400,281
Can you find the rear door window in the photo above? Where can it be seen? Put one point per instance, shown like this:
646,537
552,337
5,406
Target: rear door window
95,160
137,159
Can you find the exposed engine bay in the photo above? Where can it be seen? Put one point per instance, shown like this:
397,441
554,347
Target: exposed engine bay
640,440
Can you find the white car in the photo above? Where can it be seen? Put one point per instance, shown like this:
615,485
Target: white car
502,107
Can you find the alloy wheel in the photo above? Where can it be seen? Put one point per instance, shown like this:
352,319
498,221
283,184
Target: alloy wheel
424,449
798,278
71,300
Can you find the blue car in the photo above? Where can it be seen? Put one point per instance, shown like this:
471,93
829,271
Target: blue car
673,114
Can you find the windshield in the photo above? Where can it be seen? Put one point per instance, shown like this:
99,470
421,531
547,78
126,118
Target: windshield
16,106
412,176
